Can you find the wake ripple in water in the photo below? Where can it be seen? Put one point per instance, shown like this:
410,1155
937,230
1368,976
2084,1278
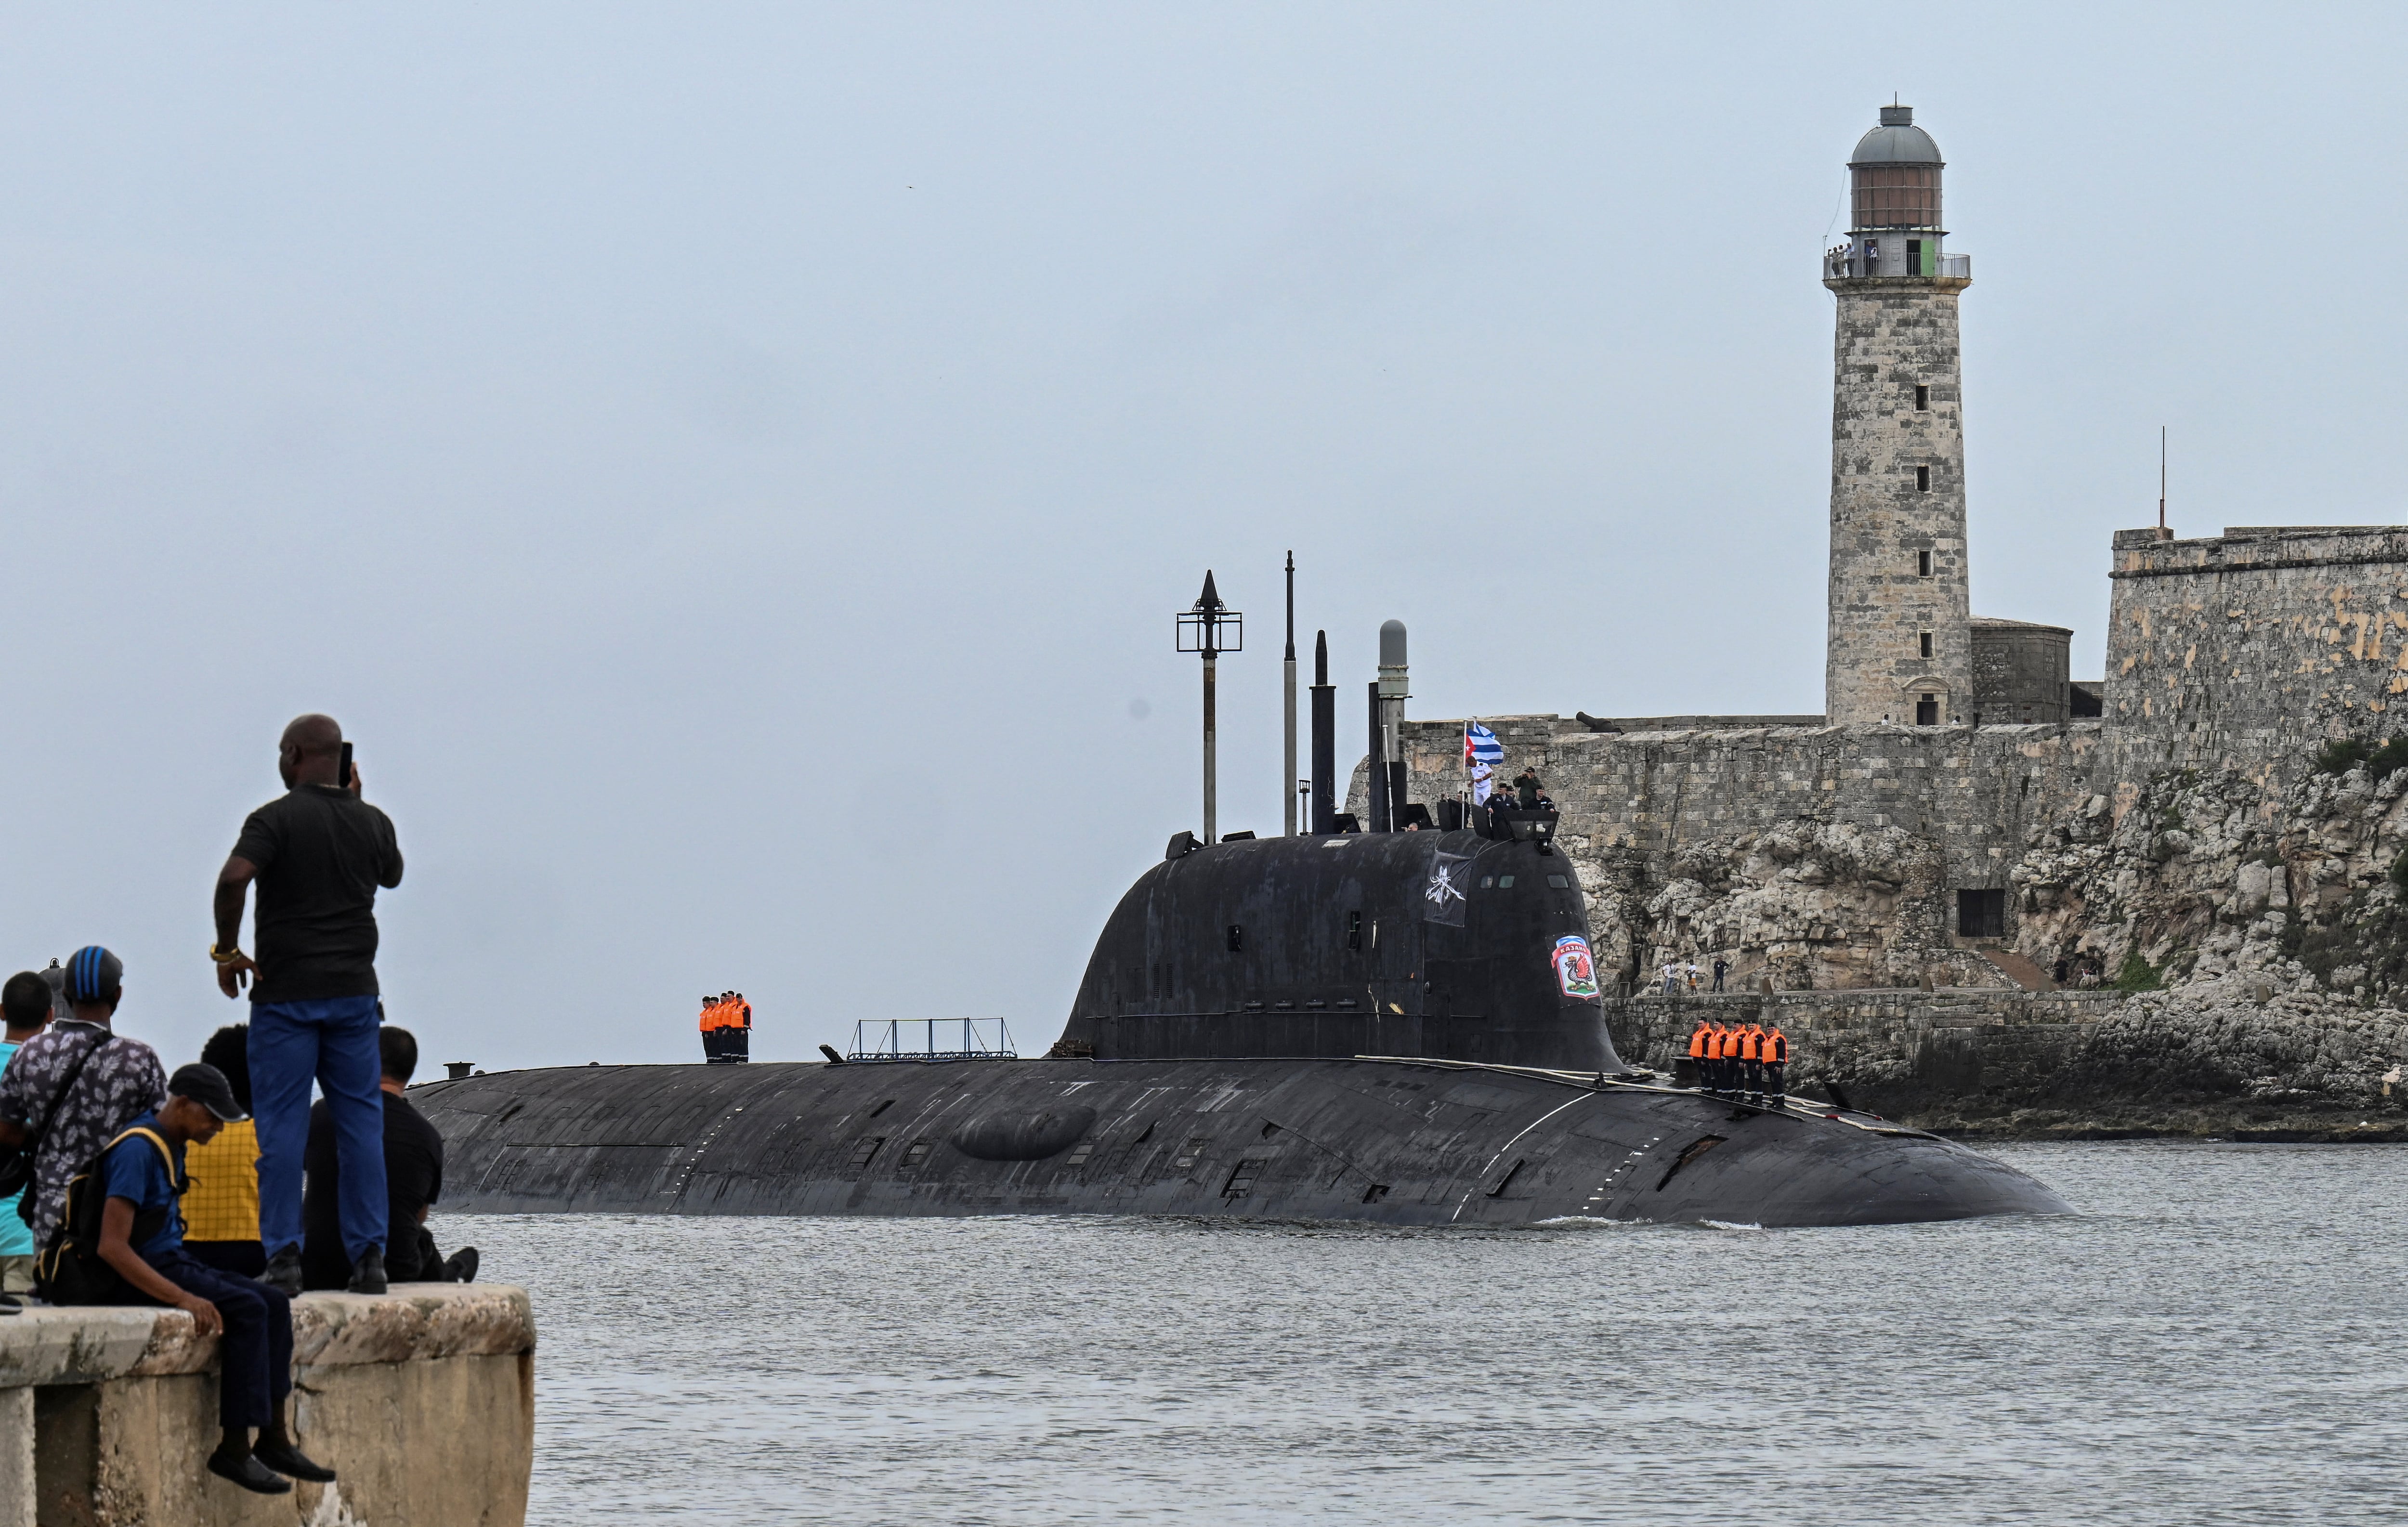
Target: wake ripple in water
2216,1339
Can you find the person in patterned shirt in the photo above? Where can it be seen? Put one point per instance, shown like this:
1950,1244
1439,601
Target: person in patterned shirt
76,1084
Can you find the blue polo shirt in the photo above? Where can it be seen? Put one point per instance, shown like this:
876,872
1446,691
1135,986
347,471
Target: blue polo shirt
135,1171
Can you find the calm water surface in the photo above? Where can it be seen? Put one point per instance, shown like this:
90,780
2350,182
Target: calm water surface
2221,1336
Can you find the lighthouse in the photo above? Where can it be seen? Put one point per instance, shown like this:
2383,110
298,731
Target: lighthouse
1900,642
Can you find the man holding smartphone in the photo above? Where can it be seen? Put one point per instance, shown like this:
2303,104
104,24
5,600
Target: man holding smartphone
320,853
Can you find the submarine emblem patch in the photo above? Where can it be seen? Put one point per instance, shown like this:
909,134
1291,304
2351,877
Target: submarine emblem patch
1574,971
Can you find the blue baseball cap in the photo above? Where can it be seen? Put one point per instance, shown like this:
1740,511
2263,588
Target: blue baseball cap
94,974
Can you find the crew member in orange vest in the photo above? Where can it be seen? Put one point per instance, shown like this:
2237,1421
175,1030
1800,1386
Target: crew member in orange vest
1699,1058
1751,1060
1726,1044
1775,1050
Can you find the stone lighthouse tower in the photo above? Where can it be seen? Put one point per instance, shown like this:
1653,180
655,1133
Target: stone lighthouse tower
1900,632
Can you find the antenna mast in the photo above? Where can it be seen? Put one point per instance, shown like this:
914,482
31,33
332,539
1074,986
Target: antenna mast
1288,785
2161,482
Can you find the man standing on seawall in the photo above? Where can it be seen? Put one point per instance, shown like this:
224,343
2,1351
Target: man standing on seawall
319,854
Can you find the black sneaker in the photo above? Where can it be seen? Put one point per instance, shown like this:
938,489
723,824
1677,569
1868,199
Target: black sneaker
285,1458
284,1274
461,1265
248,1471
367,1274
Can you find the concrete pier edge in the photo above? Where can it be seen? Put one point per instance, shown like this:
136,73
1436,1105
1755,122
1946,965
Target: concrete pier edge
422,1401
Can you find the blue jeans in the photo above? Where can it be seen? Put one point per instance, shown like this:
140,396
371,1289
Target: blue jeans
332,1040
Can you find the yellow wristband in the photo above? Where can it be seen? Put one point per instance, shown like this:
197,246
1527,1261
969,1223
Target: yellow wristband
229,957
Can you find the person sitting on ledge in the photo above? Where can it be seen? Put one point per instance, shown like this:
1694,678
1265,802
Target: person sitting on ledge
413,1176
144,1178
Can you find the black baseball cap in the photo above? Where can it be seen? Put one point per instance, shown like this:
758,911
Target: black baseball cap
92,974
206,1085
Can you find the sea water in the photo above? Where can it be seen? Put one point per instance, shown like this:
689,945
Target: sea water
2219,1335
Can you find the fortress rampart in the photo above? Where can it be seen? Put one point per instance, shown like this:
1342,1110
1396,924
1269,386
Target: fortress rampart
2240,651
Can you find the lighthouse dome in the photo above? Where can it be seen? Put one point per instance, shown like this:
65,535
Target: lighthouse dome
1895,141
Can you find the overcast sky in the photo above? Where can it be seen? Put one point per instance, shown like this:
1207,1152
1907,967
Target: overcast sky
732,467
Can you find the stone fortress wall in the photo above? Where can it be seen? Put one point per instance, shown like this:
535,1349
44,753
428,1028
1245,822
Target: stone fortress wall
1824,858
2241,651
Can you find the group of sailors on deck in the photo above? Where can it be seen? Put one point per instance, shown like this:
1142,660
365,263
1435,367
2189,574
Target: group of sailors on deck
1746,1063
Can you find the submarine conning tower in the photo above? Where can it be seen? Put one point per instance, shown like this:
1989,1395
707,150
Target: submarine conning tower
1442,945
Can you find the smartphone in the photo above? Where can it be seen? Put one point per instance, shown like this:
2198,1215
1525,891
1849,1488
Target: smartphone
343,769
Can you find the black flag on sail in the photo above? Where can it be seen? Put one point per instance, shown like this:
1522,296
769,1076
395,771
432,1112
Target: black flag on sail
1443,898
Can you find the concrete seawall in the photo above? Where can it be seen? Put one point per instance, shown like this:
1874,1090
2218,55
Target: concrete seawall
421,1401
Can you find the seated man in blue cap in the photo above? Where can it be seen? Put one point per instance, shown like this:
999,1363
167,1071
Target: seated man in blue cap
142,1237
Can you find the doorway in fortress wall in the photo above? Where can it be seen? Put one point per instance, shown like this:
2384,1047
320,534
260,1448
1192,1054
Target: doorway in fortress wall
1981,914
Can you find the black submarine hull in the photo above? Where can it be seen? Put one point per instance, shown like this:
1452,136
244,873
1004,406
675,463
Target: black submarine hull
1413,1141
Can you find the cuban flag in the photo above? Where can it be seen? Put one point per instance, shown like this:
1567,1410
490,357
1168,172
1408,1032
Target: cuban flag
1482,754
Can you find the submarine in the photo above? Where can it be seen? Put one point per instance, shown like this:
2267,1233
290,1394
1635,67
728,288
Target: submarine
1402,1027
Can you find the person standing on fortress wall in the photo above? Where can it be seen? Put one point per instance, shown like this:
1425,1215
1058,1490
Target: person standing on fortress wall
221,1210
1722,968
141,1238
25,1008
320,853
1774,1047
74,1085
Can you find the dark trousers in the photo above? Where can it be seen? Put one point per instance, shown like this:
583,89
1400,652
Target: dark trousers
1754,1083
1718,980
1773,1077
244,1259
255,1357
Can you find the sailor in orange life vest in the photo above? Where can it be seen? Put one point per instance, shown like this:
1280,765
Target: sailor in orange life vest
1775,1047
1699,1062
1727,1046
1751,1064
726,1019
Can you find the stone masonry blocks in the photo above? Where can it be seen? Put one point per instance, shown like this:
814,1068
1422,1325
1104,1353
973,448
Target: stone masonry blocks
1898,494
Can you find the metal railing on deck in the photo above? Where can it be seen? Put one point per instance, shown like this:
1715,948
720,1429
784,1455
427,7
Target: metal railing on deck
973,1038
1837,264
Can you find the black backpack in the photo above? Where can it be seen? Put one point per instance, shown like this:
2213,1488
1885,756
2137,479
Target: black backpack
70,1270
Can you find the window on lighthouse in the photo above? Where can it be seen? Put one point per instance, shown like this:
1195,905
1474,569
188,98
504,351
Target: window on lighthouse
1923,564
1923,479
1922,399
1927,644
